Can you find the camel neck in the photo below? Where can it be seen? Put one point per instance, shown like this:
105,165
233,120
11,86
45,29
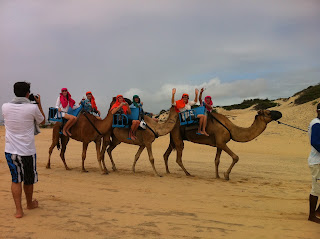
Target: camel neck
240,134
105,125
166,127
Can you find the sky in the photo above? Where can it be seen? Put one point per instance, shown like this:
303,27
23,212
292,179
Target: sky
235,49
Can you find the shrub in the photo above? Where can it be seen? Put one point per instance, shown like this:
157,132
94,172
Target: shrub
307,95
260,103
265,105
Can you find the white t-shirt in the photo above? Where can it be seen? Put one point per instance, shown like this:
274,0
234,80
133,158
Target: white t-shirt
65,109
187,106
19,122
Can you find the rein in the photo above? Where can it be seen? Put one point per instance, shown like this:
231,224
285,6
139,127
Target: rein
84,113
222,125
155,134
292,126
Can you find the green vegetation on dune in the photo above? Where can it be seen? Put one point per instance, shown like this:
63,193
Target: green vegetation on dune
307,95
260,104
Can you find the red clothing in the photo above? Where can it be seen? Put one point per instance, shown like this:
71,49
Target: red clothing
117,104
180,103
65,100
92,101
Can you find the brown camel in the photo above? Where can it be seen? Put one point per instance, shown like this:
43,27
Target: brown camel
84,132
144,139
219,135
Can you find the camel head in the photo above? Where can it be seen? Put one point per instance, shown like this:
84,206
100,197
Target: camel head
268,115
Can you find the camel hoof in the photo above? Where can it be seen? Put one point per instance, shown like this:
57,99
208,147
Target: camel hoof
105,172
226,176
84,171
48,166
168,172
217,176
114,169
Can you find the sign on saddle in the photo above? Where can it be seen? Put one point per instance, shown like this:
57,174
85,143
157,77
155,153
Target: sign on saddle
123,120
189,117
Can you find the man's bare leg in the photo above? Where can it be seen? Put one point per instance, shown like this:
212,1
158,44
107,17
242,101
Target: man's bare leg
28,190
16,190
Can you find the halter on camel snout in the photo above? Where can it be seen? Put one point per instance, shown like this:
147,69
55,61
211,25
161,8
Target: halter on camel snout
274,115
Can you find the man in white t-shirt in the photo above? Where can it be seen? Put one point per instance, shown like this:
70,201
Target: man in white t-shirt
314,165
21,119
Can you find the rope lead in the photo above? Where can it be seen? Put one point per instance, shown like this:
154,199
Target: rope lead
292,126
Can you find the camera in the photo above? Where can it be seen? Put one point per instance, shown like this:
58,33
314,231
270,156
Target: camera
33,97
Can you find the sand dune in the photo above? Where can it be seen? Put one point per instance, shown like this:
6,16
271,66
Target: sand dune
266,197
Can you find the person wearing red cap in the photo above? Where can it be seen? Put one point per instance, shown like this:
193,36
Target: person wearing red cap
90,104
184,104
122,107
63,103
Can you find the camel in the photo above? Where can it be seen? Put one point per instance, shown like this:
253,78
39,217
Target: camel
84,132
219,135
144,139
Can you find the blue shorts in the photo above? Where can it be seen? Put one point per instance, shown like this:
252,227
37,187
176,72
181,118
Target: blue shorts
23,168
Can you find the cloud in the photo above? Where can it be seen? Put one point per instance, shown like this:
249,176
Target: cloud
236,49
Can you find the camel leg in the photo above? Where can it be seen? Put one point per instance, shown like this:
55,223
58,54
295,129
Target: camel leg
84,154
166,157
53,144
103,167
112,146
235,159
149,148
179,161
106,142
217,161
64,142
136,157
55,141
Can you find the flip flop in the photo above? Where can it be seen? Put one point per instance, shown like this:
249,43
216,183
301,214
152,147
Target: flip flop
199,133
